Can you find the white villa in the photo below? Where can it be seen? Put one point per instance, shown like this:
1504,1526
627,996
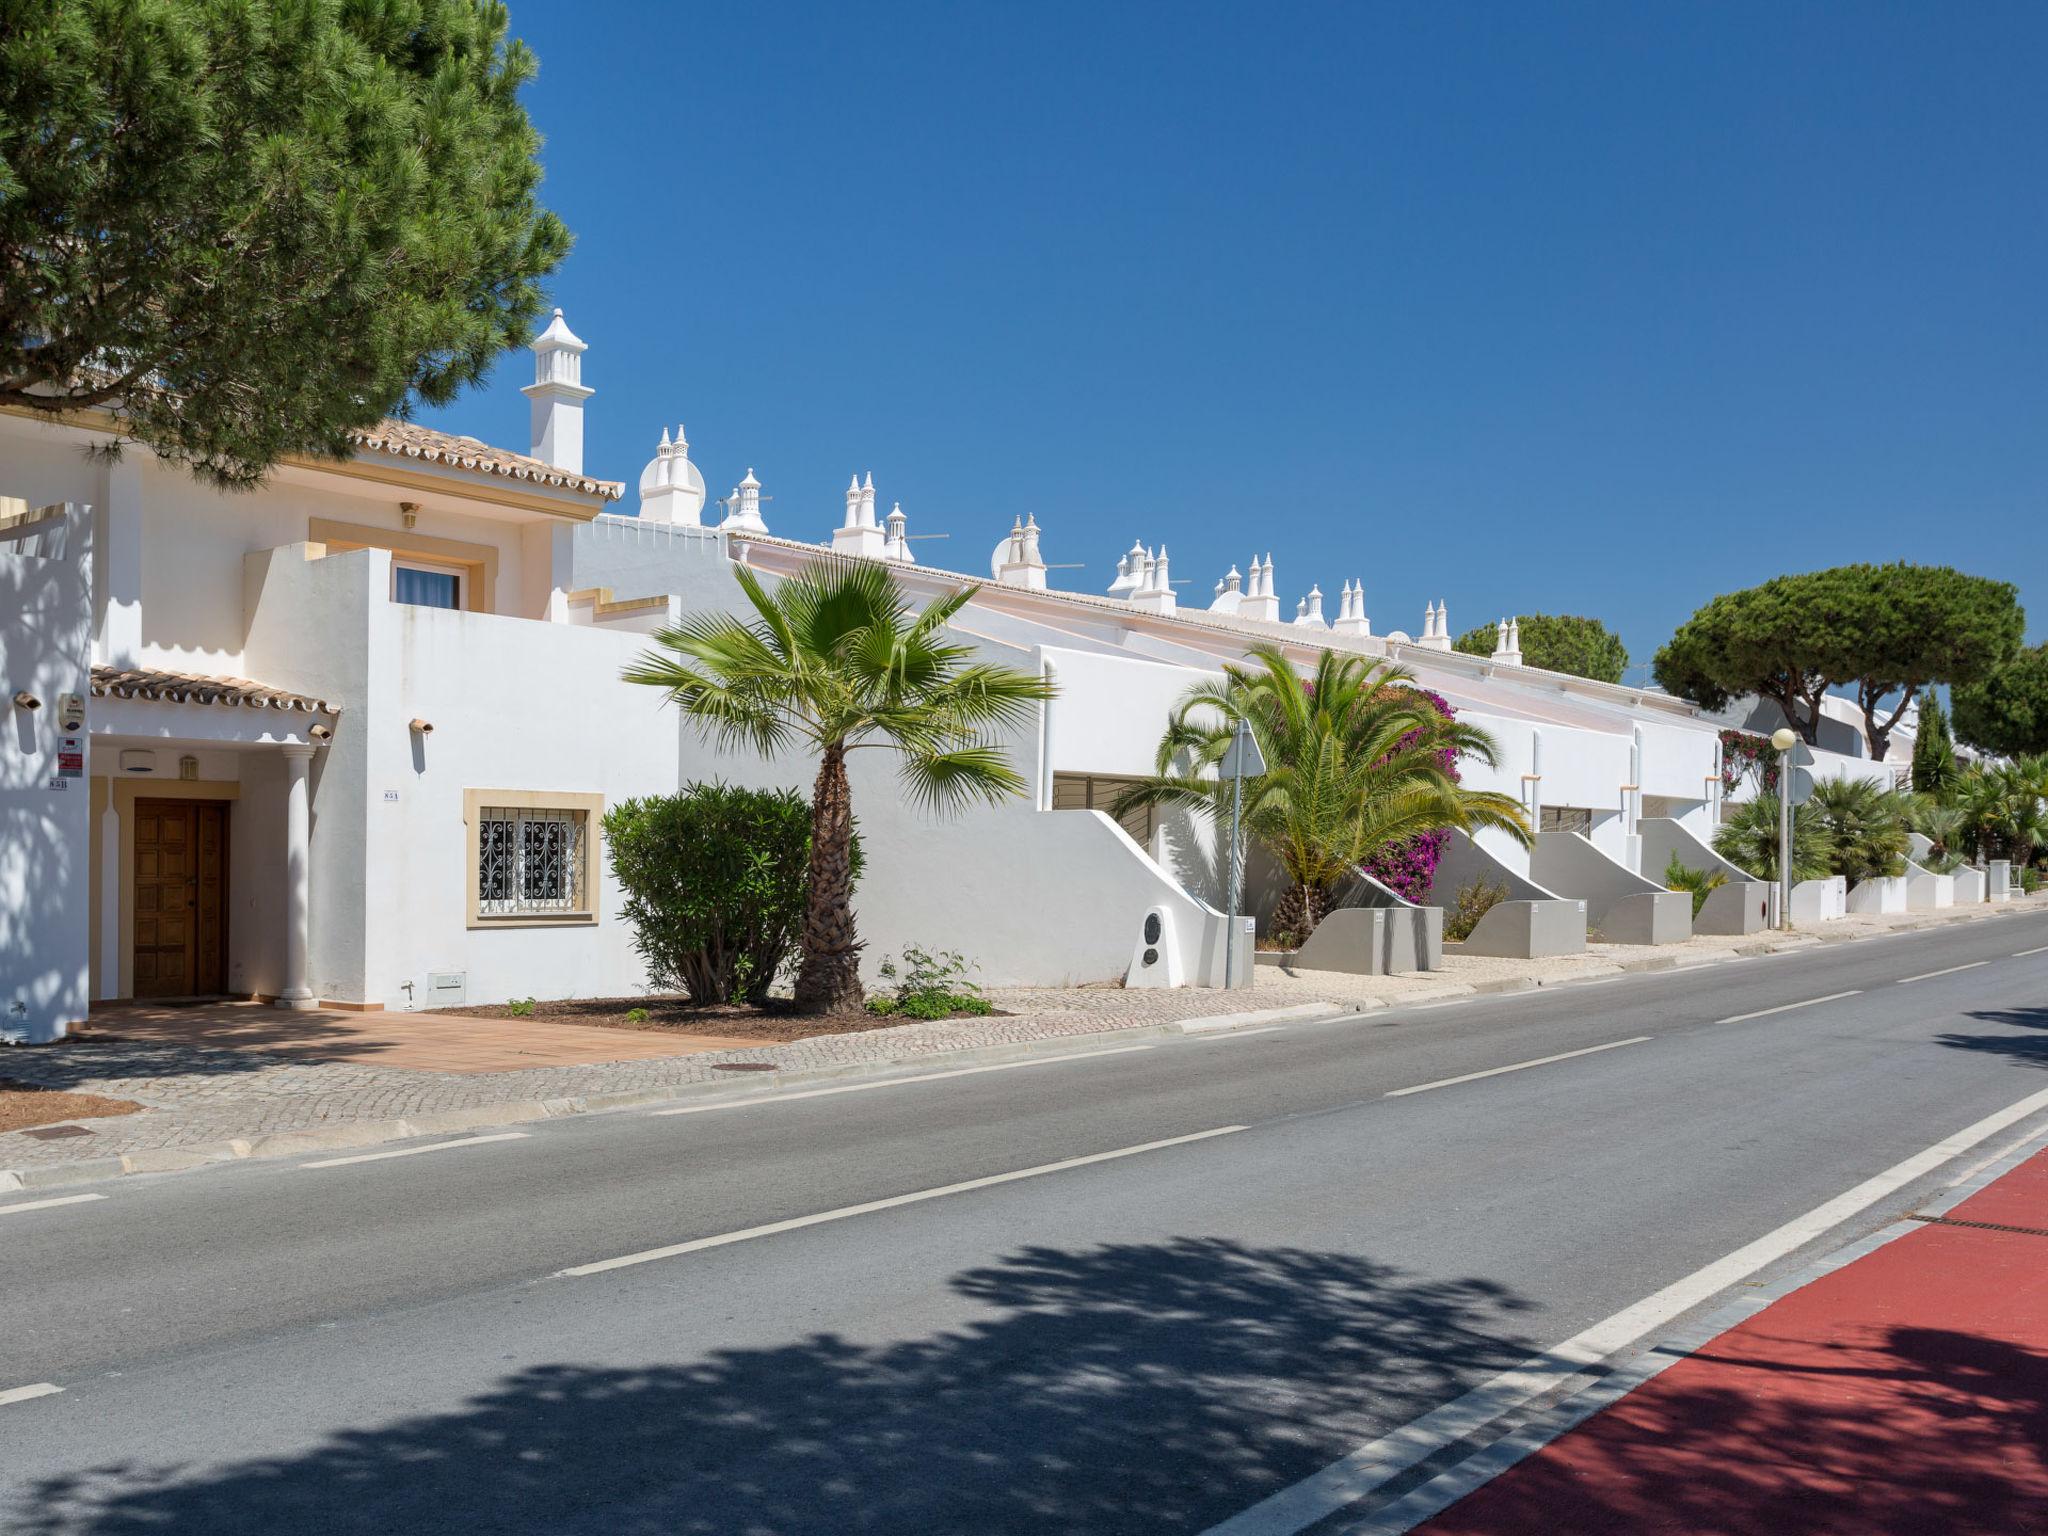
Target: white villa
347,740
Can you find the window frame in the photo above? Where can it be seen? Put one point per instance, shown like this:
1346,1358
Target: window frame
460,573
476,801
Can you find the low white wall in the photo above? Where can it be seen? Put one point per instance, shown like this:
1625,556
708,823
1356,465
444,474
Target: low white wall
1925,890
1882,896
1819,901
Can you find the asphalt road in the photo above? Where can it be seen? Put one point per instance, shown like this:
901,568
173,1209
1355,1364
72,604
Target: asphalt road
1097,1334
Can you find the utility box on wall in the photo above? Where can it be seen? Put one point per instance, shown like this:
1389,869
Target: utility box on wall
1155,959
447,989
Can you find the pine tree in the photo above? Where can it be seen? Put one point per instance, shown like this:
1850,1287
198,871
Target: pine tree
252,226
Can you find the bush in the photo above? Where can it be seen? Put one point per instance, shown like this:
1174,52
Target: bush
1474,902
1700,882
1865,826
520,1007
636,1015
1748,839
928,986
715,879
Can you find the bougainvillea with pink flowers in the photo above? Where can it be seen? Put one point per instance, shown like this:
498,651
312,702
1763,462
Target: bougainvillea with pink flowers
1408,869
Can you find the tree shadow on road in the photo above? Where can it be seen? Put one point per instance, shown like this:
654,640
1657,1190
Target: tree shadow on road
1153,1387
1958,1445
2030,1050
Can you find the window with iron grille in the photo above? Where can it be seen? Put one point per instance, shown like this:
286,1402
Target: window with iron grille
530,862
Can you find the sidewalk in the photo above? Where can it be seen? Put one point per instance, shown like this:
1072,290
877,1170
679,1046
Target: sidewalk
241,1090
1904,1392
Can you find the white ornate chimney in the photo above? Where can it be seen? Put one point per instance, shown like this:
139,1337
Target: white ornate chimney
896,543
860,534
558,393
1351,619
1310,614
743,511
1155,594
1229,593
671,489
1508,652
1259,601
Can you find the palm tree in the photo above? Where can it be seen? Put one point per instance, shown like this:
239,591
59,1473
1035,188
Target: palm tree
1865,826
2003,807
1357,760
835,660
1748,839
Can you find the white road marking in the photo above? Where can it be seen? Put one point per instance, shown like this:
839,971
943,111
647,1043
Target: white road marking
24,1394
1366,1468
2022,954
439,1146
44,1205
1764,1013
895,1082
867,1207
1540,1061
1237,1034
1945,971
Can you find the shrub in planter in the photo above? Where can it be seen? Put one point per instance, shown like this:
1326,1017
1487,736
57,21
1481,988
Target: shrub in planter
1474,902
715,880
1679,876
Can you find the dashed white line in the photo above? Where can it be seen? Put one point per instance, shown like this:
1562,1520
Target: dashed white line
25,1394
1357,1474
1520,1066
894,1082
1947,970
1764,1013
2023,953
439,1146
867,1207
44,1205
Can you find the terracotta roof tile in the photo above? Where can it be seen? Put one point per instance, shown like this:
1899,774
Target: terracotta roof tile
409,440
190,688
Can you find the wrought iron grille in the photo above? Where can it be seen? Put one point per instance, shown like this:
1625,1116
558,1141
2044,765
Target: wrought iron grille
529,861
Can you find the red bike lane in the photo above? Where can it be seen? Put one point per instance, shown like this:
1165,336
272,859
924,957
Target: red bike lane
1905,1392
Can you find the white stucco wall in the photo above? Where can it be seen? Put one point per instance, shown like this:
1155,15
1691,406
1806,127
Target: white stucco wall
45,877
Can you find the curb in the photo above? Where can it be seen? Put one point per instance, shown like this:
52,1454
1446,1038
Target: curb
286,1144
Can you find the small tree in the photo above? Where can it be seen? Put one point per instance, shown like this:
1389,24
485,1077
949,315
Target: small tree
1865,827
714,879
1562,642
254,228
1934,753
1748,839
1882,631
2006,712
834,661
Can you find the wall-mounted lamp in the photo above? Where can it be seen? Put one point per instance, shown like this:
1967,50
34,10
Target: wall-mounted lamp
423,727
410,512
320,732
23,699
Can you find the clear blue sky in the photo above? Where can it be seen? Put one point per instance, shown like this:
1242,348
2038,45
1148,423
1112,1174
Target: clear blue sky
1570,308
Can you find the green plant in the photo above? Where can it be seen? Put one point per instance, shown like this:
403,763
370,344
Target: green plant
1700,882
1885,631
834,659
1748,839
715,880
2003,808
636,1015
1473,902
1358,761
1935,769
255,229
1563,642
1865,827
2029,879
2006,712
929,986
521,1007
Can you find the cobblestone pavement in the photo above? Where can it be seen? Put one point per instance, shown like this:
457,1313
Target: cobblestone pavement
209,1095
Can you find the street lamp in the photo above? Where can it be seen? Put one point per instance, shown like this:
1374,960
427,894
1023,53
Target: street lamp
1784,739
1242,759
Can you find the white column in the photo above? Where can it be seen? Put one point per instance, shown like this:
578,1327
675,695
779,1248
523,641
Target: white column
298,837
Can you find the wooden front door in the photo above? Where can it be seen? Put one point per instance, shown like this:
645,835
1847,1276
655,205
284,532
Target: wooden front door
181,861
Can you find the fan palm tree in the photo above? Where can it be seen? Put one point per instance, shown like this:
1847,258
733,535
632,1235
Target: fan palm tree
1865,825
834,660
1357,760
1748,839
2003,804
